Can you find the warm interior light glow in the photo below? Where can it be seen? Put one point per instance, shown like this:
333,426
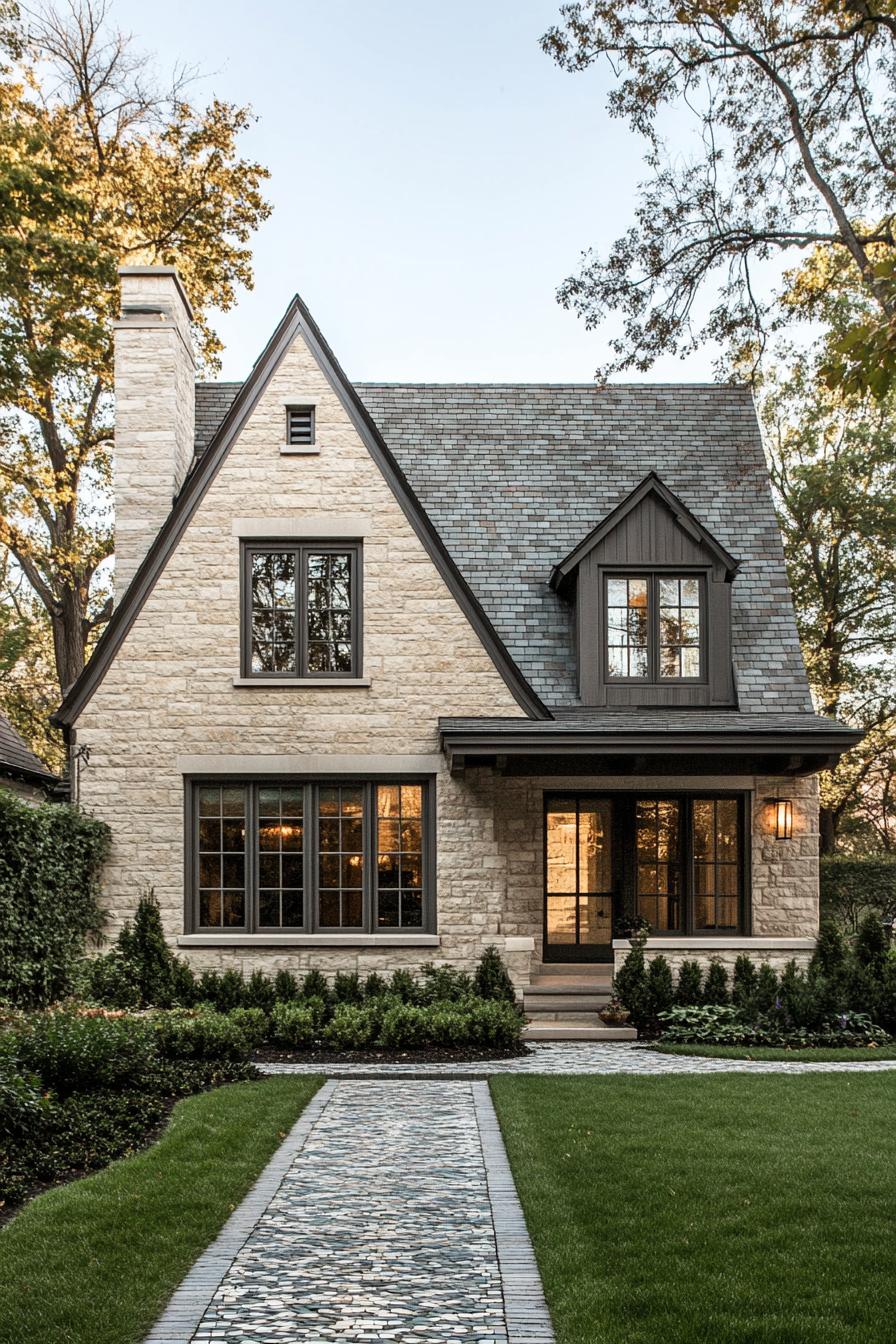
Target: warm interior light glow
783,818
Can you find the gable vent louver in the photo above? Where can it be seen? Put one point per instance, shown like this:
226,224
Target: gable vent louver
300,426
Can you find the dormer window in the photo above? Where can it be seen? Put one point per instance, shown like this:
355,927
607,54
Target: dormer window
653,627
651,590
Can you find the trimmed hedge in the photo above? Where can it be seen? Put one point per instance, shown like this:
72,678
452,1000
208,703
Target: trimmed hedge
853,887
78,1089
50,858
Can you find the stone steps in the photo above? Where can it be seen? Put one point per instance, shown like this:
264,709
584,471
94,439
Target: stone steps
563,1001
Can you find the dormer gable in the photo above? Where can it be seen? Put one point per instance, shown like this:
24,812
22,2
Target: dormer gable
652,592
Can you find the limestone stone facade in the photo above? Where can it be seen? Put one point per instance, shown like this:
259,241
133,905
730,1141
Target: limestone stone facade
173,704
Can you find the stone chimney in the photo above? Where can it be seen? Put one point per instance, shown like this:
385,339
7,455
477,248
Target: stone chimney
154,409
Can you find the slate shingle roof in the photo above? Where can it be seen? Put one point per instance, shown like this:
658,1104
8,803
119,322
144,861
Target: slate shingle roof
514,476
15,757
213,401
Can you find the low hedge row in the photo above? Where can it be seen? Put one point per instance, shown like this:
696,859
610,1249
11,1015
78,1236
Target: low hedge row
78,1089
141,972
855,977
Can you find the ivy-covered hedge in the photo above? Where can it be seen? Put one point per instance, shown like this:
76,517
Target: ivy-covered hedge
50,858
853,887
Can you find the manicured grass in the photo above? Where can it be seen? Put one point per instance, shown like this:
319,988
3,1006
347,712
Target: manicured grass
94,1262
819,1054
725,1209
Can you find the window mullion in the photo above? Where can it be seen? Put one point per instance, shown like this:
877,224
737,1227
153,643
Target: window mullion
250,851
301,601
370,846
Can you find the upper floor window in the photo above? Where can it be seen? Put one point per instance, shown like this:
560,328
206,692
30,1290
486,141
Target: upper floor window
301,610
654,627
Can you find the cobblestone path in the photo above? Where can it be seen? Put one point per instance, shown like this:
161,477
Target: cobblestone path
580,1057
390,1216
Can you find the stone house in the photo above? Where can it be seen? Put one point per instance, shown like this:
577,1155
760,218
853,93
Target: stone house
399,671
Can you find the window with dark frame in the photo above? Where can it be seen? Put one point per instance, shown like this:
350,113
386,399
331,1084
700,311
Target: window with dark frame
301,609
654,627
312,856
300,426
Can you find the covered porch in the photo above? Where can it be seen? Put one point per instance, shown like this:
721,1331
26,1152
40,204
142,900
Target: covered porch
703,824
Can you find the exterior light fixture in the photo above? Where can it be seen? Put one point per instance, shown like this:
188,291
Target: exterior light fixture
783,810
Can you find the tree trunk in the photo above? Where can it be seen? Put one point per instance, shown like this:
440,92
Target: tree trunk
67,623
828,820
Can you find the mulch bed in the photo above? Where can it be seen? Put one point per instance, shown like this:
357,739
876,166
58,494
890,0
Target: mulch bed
434,1056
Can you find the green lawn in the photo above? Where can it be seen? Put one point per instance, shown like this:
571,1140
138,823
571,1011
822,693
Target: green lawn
820,1054
93,1262
719,1210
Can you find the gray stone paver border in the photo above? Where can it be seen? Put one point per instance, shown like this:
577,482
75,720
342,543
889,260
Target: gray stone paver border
525,1309
186,1308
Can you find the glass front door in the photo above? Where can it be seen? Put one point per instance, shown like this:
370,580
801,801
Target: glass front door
580,879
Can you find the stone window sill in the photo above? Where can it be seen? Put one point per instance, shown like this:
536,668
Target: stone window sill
304,683
309,940
299,450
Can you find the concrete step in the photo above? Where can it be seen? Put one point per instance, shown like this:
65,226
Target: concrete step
598,970
579,1014
568,984
574,1029
564,1003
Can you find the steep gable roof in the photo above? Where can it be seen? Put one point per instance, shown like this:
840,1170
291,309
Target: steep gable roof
515,475
296,321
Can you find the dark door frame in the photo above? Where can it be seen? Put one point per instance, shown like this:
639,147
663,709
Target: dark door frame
623,863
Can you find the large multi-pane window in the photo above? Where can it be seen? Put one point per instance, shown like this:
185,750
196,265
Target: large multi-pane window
716,848
654,627
312,856
301,610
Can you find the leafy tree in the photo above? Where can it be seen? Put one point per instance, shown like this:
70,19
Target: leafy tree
832,457
99,165
795,145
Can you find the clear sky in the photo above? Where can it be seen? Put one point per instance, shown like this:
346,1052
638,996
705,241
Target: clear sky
434,178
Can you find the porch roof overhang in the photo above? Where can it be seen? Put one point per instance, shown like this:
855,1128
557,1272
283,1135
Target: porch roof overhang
649,741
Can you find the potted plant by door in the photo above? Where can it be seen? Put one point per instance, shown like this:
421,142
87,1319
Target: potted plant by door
614,1013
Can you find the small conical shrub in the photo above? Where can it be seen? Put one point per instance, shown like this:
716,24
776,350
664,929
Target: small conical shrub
744,981
492,980
689,989
259,992
315,986
631,987
286,987
660,987
766,989
347,987
872,944
715,989
374,986
829,957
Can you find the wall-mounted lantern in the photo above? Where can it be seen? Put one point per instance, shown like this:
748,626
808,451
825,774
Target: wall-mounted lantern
782,809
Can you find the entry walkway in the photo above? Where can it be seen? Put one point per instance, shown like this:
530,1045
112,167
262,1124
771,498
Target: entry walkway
583,1057
389,1213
